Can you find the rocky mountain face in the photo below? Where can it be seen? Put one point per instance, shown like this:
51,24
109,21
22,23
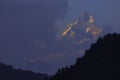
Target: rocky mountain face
78,35
73,41
82,29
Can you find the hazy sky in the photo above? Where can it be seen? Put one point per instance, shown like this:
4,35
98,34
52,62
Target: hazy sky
105,12
25,25
28,28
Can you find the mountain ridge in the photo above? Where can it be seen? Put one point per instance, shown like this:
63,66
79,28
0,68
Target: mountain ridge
101,62
7,72
85,22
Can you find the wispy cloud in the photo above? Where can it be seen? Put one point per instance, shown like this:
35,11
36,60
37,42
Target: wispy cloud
21,22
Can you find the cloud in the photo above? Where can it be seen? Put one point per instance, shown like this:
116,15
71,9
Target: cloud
51,62
25,25
105,12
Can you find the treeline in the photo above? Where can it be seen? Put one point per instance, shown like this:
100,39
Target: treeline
101,62
7,72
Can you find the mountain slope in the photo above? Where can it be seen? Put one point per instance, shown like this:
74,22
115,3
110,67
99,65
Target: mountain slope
83,27
101,62
77,36
80,33
7,72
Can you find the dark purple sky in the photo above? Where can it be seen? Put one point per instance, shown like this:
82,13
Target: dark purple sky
105,12
25,25
28,28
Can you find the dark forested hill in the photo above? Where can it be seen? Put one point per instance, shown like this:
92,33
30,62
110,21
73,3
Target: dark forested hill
101,62
7,72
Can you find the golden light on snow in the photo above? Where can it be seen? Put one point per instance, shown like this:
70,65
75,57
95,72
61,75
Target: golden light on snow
87,30
72,34
91,20
66,30
89,27
74,23
69,28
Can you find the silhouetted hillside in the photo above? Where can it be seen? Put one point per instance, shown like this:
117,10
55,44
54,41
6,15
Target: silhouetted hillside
101,62
7,72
